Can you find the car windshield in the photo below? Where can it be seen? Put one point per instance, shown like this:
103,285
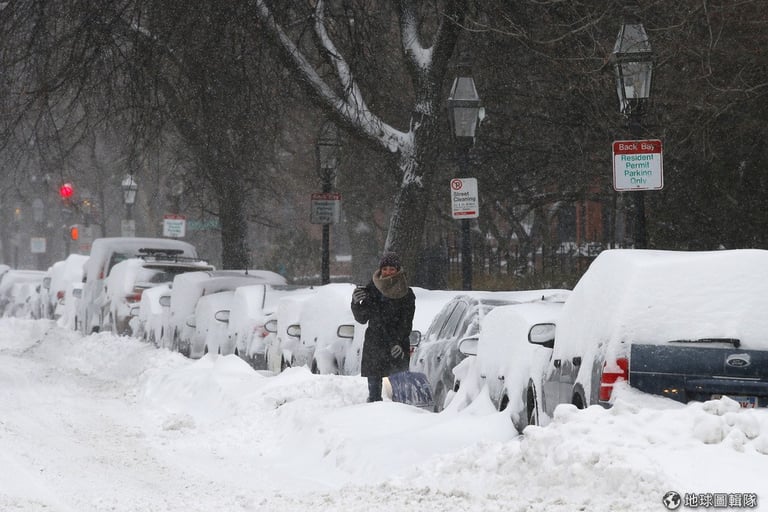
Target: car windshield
155,275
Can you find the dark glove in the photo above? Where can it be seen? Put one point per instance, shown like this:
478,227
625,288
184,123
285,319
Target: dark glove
397,352
359,295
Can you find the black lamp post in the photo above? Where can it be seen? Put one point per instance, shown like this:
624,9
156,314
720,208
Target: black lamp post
632,59
38,215
129,187
464,113
327,154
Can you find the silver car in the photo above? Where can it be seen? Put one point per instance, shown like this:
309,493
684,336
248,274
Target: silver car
437,354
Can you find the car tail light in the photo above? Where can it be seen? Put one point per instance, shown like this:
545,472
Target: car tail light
135,296
260,331
60,295
611,375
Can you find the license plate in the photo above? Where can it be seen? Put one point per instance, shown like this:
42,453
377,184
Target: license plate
746,402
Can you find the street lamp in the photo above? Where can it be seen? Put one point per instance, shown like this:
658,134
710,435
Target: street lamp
327,156
464,115
632,60
129,187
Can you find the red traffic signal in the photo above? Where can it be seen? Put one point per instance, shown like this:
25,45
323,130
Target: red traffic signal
66,190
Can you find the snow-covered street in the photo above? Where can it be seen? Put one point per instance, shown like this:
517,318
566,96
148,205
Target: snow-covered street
103,423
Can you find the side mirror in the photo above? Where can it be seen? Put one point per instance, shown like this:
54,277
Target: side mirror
415,338
271,325
468,346
222,316
294,331
191,321
134,311
165,301
542,334
77,293
346,331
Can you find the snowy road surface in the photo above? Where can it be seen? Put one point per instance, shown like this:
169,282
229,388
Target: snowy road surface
103,423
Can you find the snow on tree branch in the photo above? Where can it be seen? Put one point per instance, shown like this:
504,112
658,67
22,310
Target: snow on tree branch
352,109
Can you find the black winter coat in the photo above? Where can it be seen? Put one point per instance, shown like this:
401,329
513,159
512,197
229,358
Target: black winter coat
389,322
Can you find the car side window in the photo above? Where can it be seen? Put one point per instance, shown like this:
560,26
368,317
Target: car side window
439,321
449,329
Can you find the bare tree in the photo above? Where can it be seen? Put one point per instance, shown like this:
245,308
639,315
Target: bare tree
326,73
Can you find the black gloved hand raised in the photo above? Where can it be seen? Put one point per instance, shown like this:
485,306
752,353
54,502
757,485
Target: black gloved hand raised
359,295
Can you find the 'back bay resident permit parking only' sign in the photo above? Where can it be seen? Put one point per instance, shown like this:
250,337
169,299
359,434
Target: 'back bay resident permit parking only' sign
637,165
464,200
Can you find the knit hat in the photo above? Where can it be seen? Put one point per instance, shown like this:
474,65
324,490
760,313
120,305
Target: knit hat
390,259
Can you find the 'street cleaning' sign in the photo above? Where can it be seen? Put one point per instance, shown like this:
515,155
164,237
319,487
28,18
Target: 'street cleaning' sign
637,165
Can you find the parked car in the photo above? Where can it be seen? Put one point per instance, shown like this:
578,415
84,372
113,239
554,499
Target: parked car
506,365
59,277
154,310
284,346
438,353
187,289
664,322
252,306
129,278
320,319
210,323
69,306
105,254
19,292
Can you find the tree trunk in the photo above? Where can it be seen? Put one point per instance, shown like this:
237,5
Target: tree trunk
234,227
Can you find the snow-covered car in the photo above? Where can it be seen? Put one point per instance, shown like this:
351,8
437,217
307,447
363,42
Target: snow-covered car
129,279
69,306
686,325
154,309
320,319
252,306
285,346
187,289
210,323
506,366
105,254
460,318
57,279
19,292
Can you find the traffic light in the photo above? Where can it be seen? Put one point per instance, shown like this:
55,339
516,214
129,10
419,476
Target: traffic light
74,232
66,191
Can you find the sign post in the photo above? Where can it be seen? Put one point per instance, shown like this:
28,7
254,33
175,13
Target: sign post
637,165
465,205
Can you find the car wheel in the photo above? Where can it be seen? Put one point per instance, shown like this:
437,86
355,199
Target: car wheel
578,401
315,369
284,364
532,407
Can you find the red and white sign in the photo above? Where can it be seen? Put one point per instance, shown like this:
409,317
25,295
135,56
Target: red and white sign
464,200
637,165
326,208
